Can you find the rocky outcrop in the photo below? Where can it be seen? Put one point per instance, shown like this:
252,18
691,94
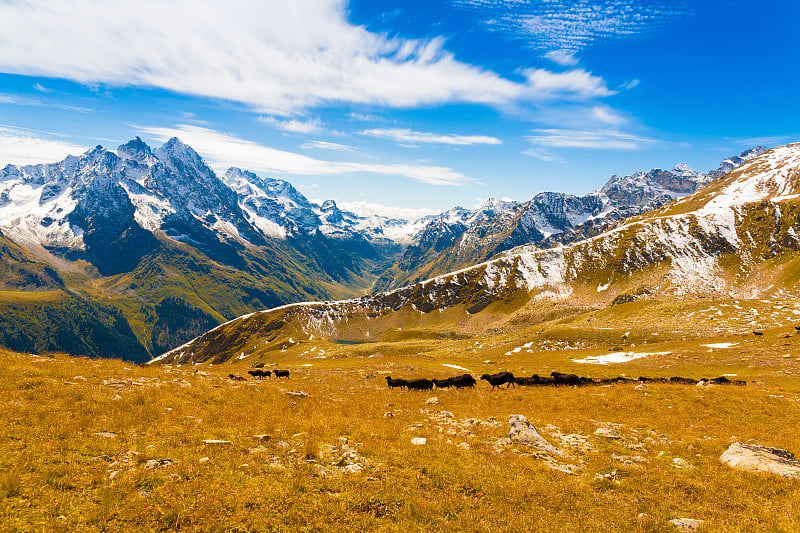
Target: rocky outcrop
757,458
523,432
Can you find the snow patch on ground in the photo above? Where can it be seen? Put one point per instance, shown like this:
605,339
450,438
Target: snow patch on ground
616,357
721,345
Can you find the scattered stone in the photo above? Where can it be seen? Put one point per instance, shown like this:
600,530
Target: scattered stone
523,432
263,438
322,471
610,477
757,458
158,463
116,397
79,378
419,441
432,401
296,393
352,469
388,414
283,444
216,442
631,460
258,449
641,387
464,446
202,460
105,434
607,433
686,524
681,464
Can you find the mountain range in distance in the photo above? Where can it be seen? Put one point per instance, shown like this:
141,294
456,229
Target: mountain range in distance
720,262
131,252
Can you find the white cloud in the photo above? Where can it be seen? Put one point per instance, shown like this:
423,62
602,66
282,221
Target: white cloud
409,136
365,209
21,147
562,57
630,85
566,26
324,145
606,115
574,83
277,57
541,154
596,139
223,151
293,125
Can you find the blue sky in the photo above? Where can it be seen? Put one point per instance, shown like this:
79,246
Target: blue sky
402,107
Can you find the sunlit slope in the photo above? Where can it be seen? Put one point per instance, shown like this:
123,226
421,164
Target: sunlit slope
734,239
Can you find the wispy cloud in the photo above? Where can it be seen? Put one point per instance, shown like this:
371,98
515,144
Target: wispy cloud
223,151
33,102
23,147
325,145
293,125
418,137
277,57
366,209
563,58
564,27
595,139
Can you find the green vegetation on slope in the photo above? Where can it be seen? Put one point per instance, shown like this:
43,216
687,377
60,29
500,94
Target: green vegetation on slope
66,322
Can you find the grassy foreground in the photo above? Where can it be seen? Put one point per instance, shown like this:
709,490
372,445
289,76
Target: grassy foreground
90,445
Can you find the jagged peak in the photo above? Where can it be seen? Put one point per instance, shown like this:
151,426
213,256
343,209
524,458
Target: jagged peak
328,205
135,149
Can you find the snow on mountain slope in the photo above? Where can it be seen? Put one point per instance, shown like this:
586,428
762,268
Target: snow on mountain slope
685,248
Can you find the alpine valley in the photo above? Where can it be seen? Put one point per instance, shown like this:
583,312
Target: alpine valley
134,251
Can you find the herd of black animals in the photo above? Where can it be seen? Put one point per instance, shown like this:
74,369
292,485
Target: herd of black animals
508,379
258,373
555,379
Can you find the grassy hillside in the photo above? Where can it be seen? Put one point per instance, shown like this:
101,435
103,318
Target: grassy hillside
103,445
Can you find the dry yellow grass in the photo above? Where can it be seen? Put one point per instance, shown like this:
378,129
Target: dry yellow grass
59,473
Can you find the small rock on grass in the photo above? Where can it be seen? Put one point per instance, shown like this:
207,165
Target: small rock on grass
433,401
158,463
216,442
105,434
686,524
608,433
419,441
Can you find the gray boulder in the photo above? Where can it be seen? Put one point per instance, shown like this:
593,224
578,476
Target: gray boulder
757,458
523,432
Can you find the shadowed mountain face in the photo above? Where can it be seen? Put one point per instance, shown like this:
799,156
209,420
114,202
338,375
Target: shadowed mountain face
140,230
722,241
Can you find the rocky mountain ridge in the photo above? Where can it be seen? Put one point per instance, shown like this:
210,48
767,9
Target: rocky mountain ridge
715,242
459,238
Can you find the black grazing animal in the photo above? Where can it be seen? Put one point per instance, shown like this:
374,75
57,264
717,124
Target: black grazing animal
396,383
565,379
526,381
259,373
464,380
683,381
419,384
498,379
236,378
281,374
443,383
758,333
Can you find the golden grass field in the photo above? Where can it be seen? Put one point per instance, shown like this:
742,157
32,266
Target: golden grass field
82,442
